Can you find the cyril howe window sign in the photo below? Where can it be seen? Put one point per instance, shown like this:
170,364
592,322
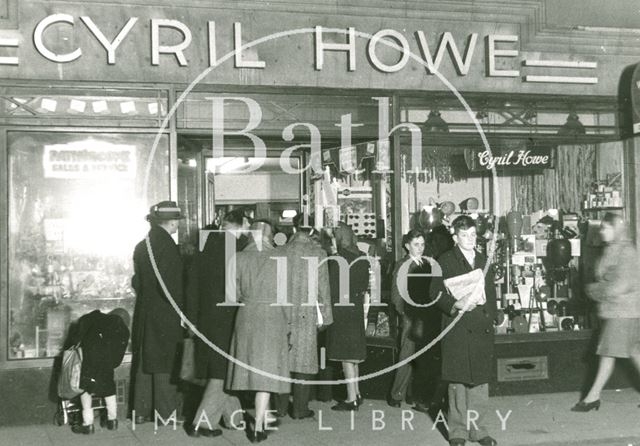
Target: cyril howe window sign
509,159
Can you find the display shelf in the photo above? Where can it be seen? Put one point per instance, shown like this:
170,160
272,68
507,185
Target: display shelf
381,341
604,208
544,336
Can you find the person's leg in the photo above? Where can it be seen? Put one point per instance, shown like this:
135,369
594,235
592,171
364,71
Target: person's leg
211,406
230,406
86,427
403,374
605,369
142,395
357,383
635,360
300,395
112,407
349,369
261,403
457,417
281,403
86,401
324,392
477,402
165,396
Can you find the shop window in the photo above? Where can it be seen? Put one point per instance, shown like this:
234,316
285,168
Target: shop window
539,209
96,108
76,211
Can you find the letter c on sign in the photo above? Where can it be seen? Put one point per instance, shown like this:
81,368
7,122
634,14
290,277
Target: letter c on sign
40,46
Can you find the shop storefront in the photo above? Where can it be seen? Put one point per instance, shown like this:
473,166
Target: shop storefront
106,109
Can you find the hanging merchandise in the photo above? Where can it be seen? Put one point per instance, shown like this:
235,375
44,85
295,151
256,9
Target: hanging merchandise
439,164
348,160
382,156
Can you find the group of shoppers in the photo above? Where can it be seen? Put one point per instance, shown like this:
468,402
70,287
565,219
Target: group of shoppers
245,343
262,348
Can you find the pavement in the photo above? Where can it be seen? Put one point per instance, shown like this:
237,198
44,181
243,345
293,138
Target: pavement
541,420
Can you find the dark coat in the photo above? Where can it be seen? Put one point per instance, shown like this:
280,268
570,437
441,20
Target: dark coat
104,339
467,350
156,325
205,290
346,337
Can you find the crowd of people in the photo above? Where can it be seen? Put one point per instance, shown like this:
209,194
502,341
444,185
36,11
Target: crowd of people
258,323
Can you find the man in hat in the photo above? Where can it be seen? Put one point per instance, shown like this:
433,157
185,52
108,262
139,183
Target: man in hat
157,332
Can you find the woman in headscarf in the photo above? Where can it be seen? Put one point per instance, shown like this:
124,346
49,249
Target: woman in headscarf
261,336
346,341
616,291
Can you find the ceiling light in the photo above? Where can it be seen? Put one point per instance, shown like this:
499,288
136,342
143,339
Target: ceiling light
573,126
435,123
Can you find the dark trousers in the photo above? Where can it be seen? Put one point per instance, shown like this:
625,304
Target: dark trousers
154,391
402,380
321,392
301,394
325,393
427,386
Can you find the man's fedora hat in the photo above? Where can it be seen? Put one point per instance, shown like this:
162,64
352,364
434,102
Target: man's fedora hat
165,210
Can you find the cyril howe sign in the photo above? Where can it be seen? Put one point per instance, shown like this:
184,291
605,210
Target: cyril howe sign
509,159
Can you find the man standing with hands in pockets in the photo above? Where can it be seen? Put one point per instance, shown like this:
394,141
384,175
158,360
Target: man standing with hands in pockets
467,350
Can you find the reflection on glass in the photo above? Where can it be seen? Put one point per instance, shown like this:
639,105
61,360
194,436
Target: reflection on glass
76,211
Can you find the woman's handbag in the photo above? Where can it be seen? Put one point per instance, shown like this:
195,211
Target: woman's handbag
69,380
188,366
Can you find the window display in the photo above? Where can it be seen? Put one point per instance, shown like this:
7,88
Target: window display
539,223
76,211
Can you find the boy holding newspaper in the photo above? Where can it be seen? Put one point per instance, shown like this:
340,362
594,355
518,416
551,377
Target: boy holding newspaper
466,287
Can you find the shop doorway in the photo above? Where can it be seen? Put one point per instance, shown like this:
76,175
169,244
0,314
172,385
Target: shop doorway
209,187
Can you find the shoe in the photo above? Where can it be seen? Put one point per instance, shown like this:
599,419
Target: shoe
253,435
112,425
359,400
82,429
256,436
487,441
344,406
421,407
393,402
191,431
209,433
273,425
409,400
586,407
141,419
308,414
457,442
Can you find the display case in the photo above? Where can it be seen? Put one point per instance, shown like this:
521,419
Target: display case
77,206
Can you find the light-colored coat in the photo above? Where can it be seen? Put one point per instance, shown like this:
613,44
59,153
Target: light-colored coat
304,351
262,328
617,286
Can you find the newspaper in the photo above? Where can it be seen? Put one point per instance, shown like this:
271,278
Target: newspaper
467,285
